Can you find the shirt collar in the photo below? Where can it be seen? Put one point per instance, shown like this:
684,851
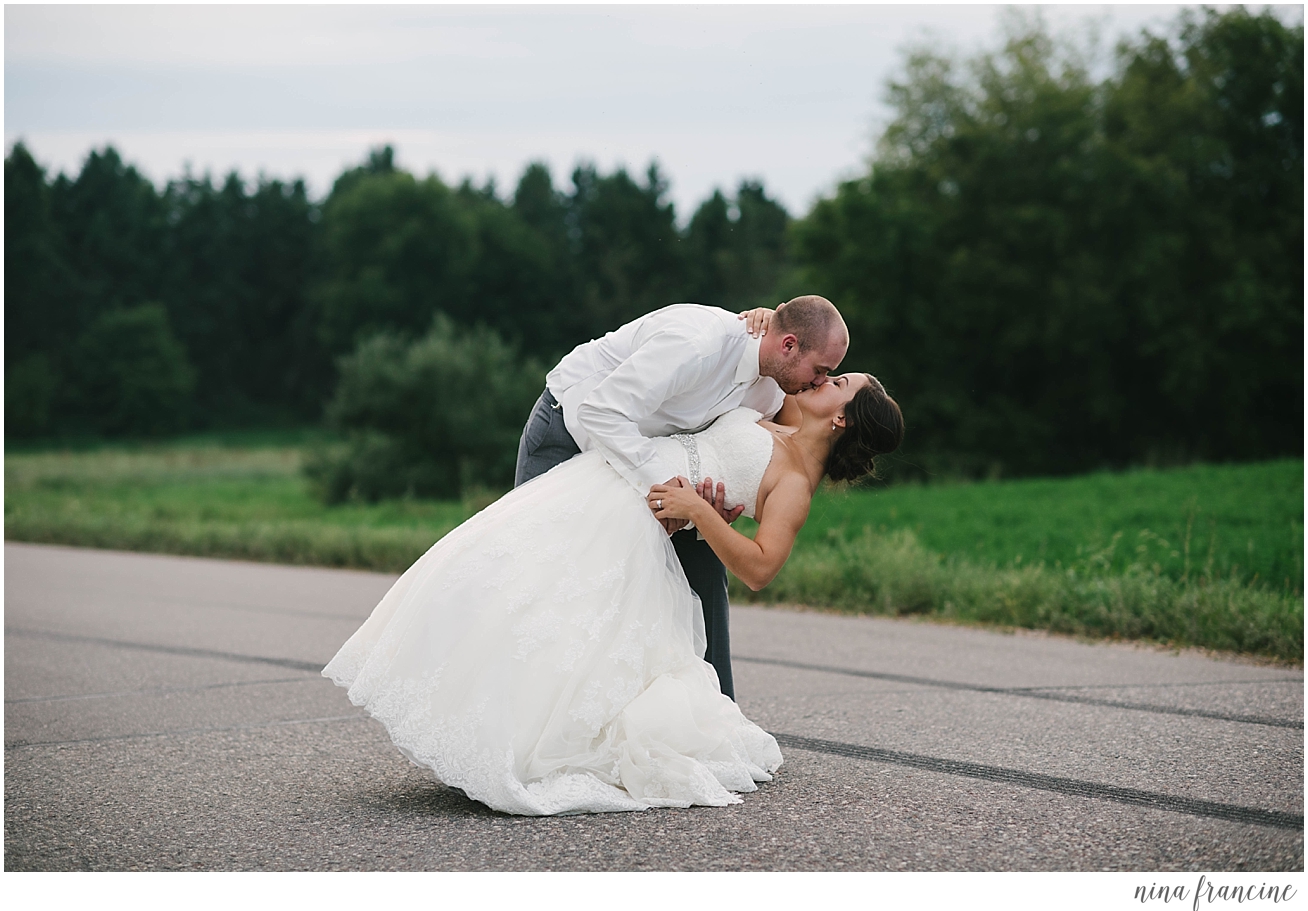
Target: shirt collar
747,369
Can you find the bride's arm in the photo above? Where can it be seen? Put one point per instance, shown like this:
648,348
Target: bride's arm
755,562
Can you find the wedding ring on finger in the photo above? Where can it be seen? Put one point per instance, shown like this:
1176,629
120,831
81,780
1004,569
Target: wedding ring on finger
658,504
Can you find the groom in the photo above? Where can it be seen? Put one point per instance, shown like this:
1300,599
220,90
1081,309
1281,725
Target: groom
670,371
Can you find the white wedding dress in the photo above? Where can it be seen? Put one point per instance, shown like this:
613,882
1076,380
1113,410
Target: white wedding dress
545,656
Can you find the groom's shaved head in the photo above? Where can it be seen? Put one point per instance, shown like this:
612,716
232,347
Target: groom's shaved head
813,320
805,343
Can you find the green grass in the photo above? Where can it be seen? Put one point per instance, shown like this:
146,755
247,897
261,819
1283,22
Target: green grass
205,499
1208,555
1237,522
894,574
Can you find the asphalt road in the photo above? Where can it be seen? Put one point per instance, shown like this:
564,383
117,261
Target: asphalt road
166,713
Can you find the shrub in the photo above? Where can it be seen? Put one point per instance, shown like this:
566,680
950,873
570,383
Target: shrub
433,417
130,375
29,388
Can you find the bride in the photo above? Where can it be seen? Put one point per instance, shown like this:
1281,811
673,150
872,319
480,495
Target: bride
545,657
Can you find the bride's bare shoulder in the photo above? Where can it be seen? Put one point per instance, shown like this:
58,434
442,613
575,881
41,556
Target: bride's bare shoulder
786,499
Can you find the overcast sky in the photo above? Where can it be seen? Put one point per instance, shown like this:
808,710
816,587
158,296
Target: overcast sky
788,94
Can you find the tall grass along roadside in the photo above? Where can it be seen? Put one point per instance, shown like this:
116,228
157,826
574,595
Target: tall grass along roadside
1209,556
211,501
894,574
1241,522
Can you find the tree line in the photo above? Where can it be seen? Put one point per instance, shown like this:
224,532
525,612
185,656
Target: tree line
1051,272
1061,273
245,296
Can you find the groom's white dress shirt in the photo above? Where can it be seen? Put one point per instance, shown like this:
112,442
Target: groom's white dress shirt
673,370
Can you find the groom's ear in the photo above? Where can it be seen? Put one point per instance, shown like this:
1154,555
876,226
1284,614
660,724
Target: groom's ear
789,343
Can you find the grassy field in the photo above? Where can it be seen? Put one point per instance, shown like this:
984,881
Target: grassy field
206,499
1208,555
1238,522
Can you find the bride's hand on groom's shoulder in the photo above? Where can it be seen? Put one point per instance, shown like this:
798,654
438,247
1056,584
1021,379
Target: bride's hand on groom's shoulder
757,321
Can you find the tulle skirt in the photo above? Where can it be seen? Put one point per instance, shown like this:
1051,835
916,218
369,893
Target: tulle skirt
544,657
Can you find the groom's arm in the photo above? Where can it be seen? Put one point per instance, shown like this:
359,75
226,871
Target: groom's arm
755,562
666,365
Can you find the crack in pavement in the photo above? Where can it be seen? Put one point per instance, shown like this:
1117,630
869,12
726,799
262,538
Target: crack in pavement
1027,692
291,663
1030,693
1072,786
149,735
151,691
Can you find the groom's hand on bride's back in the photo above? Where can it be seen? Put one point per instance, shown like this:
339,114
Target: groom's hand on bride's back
662,499
673,525
718,500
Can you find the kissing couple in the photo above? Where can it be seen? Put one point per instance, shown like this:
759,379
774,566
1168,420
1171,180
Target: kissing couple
566,649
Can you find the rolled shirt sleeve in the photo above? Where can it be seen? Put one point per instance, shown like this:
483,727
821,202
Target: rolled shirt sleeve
667,364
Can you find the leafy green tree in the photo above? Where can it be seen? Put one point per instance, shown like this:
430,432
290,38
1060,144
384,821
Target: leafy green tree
543,208
80,253
736,251
381,160
519,277
552,322
1055,274
395,250
237,269
1207,131
130,375
113,223
39,309
30,389
428,418
626,247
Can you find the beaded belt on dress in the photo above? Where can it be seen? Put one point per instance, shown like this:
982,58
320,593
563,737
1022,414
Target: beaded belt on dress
692,454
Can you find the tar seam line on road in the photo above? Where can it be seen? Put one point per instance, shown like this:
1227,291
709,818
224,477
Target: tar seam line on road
150,735
1232,812
1026,692
1070,786
955,767
291,663
253,608
1030,693
1189,684
153,691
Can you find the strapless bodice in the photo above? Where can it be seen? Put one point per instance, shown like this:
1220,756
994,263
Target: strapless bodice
734,449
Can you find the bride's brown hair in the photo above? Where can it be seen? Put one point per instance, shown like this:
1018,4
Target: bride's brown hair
873,426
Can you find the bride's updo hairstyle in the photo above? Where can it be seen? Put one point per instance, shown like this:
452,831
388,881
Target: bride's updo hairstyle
873,427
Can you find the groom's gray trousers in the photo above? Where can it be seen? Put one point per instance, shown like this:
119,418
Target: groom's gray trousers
546,442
